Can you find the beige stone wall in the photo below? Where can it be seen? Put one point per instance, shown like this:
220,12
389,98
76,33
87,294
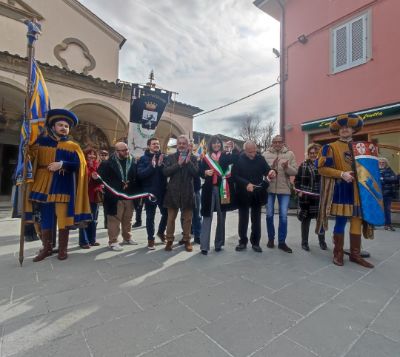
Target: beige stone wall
61,21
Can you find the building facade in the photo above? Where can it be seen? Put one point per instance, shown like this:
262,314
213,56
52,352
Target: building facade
339,56
78,54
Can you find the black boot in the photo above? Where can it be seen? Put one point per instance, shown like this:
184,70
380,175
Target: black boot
305,227
322,243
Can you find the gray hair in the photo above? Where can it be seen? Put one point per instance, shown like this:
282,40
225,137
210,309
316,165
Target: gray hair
249,143
184,137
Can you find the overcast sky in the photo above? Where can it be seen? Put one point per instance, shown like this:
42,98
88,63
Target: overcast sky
209,51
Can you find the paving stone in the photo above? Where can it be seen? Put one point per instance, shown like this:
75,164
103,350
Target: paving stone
329,330
5,295
249,329
138,333
167,291
283,347
68,321
193,344
303,295
384,276
338,277
214,302
364,298
387,323
373,345
68,346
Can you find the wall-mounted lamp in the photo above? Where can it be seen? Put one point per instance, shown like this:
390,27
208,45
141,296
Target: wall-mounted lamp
302,39
276,52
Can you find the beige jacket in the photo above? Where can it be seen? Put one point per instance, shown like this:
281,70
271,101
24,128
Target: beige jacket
281,184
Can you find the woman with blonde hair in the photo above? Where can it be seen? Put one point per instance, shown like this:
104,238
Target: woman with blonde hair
307,185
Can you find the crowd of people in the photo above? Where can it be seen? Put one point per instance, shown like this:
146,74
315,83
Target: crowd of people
70,184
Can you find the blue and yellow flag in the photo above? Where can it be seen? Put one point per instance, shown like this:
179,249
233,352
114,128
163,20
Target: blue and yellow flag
32,126
202,148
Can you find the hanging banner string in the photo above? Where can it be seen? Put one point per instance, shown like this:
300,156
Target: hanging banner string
148,195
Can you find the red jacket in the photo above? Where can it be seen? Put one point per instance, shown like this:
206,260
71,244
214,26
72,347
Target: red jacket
93,187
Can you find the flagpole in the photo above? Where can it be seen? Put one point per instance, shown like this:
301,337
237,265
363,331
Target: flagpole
33,31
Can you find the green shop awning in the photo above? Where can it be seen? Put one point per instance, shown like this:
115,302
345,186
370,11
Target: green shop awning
366,114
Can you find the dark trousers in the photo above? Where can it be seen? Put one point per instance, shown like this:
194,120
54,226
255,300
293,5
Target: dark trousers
88,235
138,206
387,202
255,214
150,214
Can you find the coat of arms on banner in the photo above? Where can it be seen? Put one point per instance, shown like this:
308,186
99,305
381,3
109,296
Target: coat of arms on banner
368,182
150,116
147,107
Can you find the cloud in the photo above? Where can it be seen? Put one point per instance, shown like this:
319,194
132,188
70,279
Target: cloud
211,52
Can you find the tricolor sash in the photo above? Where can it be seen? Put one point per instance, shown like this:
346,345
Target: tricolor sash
224,186
148,195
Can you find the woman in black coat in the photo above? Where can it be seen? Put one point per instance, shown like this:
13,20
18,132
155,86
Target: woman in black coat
218,192
307,184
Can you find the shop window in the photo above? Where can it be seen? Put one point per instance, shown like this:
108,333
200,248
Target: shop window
350,44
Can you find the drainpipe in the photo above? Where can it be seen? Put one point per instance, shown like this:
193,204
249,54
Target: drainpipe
282,75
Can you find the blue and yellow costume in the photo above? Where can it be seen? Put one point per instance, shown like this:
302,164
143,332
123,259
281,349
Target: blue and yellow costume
61,194
338,197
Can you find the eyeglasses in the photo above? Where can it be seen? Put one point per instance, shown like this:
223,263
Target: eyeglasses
277,142
123,150
312,153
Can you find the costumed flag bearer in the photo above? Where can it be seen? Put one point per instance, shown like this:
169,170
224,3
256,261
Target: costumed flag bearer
60,183
339,191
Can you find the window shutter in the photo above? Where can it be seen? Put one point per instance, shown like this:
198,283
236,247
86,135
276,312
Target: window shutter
349,45
341,47
358,41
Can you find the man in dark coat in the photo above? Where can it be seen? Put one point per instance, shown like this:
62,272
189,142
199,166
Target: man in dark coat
251,173
181,168
152,180
119,172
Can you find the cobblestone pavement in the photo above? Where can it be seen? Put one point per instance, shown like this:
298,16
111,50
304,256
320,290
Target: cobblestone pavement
154,303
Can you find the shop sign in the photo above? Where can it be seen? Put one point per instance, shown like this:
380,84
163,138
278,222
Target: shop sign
367,114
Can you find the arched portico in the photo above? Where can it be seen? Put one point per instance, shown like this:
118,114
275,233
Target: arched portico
167,129
12,99
101,124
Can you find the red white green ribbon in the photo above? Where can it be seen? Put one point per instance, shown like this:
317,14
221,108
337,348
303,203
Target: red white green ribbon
307,192
148,195
224,186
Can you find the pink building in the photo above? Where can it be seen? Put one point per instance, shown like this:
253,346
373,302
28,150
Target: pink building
339,56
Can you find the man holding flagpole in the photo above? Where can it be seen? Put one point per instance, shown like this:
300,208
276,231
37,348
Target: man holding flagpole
59,182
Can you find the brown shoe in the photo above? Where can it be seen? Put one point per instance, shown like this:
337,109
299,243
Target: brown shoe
355,249
150,244
338,241
188,246
168,247
162,237
47,249
63,235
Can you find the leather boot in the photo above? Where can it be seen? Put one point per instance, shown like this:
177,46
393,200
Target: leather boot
355,249
322,243
188,246
63,235
46,237
168,247
338,241
305,227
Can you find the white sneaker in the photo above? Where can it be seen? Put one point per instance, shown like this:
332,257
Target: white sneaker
116,247
130,242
